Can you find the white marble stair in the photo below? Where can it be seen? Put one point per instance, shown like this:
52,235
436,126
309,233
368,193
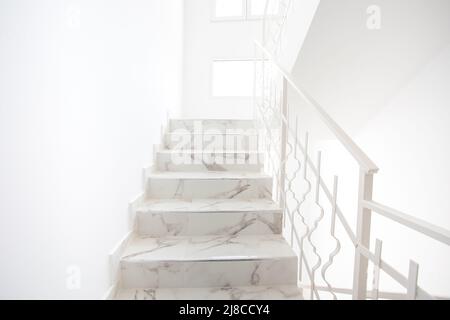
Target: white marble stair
221,293
203,160
220,125
209,185
208,227
199,217
208,262
214,141
210,134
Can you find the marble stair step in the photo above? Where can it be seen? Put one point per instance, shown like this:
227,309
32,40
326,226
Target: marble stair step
202,160
210,185
209,124
199,217
204,262
239,140
223,293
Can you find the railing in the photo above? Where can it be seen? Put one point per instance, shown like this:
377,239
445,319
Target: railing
274,24
289,160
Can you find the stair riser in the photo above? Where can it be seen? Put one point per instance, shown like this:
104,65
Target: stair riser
218,125
217,142
178,162
226,293
208,223
199,274
209,189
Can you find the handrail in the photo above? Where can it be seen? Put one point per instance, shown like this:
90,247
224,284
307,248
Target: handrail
428,229
364,161
277,104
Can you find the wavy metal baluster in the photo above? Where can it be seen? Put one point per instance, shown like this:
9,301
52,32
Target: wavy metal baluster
294,176
337,249
284,18
304,195
267,114
276,25
291,179
289,151
291,215
305,168
316,223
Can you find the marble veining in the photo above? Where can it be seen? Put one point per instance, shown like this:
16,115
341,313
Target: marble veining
206,248
214,185
221,293
211,141
208,205
209,273
208,261
210,124
208,175
208,228
203,160
209,223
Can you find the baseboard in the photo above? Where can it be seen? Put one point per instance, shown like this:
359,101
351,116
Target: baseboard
111,293
132,206
115,255
114,265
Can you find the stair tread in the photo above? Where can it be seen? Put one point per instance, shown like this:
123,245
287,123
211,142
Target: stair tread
209,175
208,205
208,248
203,151
223,293
232,132
212,119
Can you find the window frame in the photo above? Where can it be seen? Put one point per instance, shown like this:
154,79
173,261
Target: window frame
249,14
246,13
215,18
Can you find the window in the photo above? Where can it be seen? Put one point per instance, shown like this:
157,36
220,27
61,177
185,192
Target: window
234,78
229,9
257,7
242,9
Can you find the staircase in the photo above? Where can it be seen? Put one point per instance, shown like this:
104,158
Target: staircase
208,227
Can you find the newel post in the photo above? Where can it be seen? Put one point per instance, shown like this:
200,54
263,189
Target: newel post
362,235
284,137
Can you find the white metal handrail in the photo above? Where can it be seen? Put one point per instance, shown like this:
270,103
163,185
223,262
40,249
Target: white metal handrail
428,229
364,161
274,107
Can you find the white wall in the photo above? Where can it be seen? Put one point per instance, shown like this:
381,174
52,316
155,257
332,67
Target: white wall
389,89
204,42
409,139
82,99
351,69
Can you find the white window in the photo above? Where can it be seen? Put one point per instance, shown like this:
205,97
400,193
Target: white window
257,7
234,78
228,9
242,9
